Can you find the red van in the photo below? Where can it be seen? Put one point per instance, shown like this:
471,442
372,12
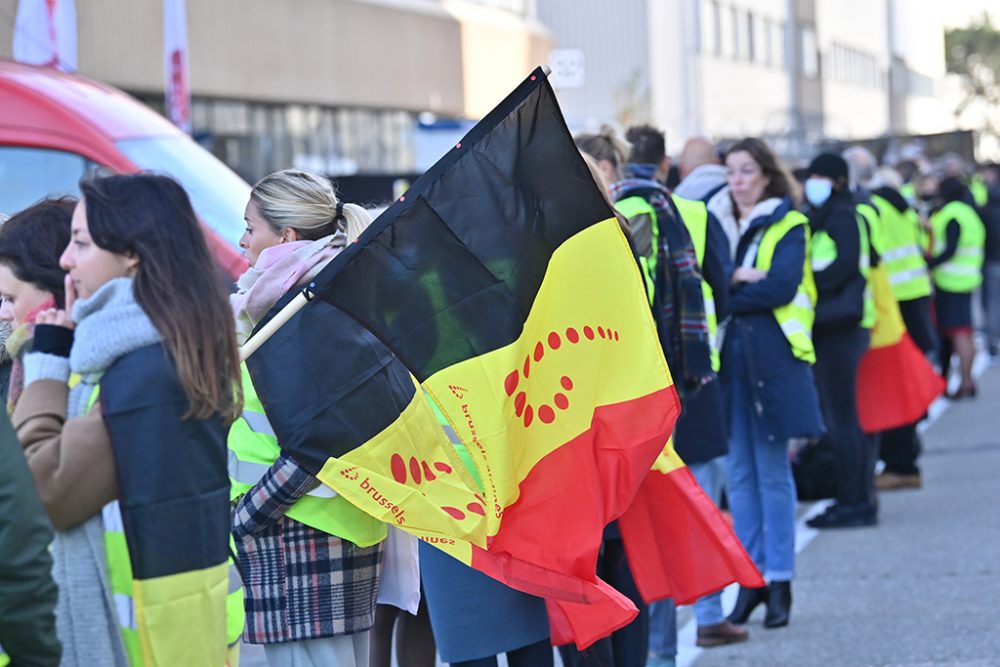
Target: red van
55,128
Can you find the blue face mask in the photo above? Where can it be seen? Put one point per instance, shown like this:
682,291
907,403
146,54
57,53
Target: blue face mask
818,191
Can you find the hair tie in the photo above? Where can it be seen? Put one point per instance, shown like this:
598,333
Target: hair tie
340,212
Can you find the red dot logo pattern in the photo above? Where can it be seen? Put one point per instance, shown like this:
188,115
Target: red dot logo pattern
545,412
420,472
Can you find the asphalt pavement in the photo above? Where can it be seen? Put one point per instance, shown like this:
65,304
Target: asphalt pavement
919,590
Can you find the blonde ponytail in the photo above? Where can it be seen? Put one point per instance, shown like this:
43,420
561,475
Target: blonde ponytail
307,203
356,220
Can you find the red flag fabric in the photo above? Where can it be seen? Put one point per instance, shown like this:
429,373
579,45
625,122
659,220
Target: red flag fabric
677,542
896,383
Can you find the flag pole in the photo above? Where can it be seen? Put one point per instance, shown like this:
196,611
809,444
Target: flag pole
285,314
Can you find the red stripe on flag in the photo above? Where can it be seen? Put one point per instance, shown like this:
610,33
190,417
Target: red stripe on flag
677,543
896,384
550,538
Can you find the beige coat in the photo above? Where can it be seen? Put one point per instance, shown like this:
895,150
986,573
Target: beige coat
71,460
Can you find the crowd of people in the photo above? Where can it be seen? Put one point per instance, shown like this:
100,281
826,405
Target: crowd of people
153,510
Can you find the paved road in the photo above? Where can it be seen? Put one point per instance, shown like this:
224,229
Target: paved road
921,589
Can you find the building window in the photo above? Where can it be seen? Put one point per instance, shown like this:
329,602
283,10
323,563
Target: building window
855,67
712,28
781,43
810,54
751,38
735,22
768,43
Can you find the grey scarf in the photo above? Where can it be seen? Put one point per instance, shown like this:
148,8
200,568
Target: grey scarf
110,324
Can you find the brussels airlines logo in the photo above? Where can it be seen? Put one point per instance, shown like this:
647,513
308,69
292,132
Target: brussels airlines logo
539,400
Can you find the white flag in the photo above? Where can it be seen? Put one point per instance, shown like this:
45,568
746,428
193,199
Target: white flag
45,33
175,57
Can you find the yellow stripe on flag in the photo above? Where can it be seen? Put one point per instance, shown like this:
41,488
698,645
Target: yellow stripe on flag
889,327
588,341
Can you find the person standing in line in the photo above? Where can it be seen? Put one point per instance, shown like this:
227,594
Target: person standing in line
31,279
910,280
701,174
311,561
700,438
956,263
767,353
990,214
131,463
845,313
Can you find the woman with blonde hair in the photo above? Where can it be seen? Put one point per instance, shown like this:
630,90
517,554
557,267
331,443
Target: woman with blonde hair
311,561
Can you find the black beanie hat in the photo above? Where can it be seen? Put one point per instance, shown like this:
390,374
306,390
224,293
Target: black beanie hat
830,165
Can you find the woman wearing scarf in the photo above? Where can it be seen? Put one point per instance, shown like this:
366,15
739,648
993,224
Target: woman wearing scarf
310,560
30,277
766,370
131,462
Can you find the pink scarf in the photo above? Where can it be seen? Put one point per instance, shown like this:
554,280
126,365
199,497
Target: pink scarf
277,270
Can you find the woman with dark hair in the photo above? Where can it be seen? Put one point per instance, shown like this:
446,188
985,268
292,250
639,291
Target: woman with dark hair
31,279
766,373
845,313
131,462
956,263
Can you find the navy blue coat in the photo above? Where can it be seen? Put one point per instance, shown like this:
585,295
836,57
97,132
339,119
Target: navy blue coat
782,387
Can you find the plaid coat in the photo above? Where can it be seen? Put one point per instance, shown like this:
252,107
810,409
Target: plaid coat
299,582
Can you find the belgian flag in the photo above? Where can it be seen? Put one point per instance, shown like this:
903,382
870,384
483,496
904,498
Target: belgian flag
503,284
896,383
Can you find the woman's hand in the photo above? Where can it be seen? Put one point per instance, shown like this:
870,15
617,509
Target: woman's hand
744,274
57,316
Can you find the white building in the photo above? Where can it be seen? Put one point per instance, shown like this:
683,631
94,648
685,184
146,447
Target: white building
793,71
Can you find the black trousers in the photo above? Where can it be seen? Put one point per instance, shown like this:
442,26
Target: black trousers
900,447
836,371
917,318
629,646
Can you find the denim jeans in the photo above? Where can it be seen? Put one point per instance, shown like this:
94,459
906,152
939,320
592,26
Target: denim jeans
761,490
707,610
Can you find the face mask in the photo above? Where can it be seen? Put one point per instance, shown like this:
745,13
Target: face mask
818,191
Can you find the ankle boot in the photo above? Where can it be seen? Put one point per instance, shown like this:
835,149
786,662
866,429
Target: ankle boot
779,604
746,602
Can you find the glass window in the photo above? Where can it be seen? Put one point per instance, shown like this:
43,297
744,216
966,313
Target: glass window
218,195
810,55
29,174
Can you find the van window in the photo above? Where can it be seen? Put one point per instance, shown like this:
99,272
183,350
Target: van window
29,174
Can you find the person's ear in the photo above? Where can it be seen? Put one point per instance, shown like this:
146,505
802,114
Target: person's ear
289,235
131,263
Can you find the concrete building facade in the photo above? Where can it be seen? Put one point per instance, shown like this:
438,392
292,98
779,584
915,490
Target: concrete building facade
332,85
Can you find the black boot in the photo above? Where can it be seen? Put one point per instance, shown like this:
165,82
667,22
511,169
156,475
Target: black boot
779,604
746,602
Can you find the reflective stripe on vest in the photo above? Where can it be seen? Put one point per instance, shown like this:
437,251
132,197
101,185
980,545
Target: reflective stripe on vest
694,214
824,253
632,208
253,449
901,251
247,473
795,318
963,272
